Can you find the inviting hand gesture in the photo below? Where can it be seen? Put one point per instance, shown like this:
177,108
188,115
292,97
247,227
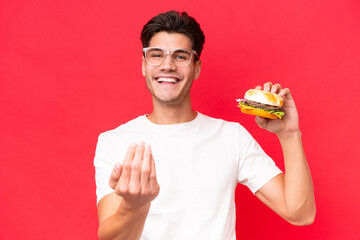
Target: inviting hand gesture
135,181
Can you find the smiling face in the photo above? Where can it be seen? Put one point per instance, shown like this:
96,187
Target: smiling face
170,84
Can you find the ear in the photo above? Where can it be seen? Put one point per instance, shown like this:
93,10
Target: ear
143,66
197,69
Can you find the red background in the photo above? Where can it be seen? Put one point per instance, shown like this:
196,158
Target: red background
72,69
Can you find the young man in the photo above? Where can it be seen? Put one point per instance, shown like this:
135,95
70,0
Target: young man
199,160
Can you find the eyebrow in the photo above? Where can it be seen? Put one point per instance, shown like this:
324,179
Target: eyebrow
182,50
176,49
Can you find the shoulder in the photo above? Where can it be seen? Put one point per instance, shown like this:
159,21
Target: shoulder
127,130
232,128
123,128
220,122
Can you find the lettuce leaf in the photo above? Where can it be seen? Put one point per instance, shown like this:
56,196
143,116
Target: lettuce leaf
280,114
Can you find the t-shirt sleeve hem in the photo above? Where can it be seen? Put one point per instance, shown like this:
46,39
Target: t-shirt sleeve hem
255,186
102,194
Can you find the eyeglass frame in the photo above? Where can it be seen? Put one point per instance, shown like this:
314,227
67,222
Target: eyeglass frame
193,52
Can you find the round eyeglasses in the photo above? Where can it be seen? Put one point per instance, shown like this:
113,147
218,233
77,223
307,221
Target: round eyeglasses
155,56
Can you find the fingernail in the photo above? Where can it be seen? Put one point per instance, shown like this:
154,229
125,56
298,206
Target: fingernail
133,145
117,167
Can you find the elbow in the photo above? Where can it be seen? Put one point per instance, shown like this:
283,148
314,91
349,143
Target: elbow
303,222
303,214
303,219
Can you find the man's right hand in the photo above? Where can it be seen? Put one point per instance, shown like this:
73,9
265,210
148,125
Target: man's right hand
135,181
135,186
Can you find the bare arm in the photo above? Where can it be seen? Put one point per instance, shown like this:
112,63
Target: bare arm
291,195
122,214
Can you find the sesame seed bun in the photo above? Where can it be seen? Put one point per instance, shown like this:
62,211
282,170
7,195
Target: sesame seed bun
264,97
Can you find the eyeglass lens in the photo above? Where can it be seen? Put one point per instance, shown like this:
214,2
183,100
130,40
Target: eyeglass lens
156,56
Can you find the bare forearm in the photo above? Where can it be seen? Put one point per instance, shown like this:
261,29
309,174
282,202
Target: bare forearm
298,186
125,224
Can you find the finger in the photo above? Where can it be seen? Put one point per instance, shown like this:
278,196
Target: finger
288,98
261,121
276,88
153,180
258,87
285,92
126,169
129,154
146,167
134,184
115,175
267,86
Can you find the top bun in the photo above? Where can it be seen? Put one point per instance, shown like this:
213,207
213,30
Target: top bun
264,97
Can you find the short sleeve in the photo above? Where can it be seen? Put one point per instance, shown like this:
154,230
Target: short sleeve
103,164
255,167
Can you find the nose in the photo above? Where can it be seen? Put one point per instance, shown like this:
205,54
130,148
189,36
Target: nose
168,64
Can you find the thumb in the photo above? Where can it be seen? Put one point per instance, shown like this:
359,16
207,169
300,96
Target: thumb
261,121
115,175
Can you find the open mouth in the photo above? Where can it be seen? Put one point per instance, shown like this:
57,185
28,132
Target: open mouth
167,80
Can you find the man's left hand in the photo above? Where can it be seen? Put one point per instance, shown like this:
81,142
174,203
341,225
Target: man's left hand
290,122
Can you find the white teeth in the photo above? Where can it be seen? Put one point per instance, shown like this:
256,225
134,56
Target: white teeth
172,80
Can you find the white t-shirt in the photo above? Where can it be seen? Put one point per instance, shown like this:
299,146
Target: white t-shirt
198,165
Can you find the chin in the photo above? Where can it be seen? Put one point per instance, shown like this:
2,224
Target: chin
170,100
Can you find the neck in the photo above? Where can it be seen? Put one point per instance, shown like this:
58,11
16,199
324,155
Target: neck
171,113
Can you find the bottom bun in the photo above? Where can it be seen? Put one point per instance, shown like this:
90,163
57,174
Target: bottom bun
258,112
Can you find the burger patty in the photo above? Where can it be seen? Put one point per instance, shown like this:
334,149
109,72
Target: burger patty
264,106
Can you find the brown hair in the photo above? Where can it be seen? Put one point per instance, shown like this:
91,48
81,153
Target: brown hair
174,22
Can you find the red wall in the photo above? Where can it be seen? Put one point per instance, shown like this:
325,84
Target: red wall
71,69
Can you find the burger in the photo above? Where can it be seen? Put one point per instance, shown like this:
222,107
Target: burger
262,103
